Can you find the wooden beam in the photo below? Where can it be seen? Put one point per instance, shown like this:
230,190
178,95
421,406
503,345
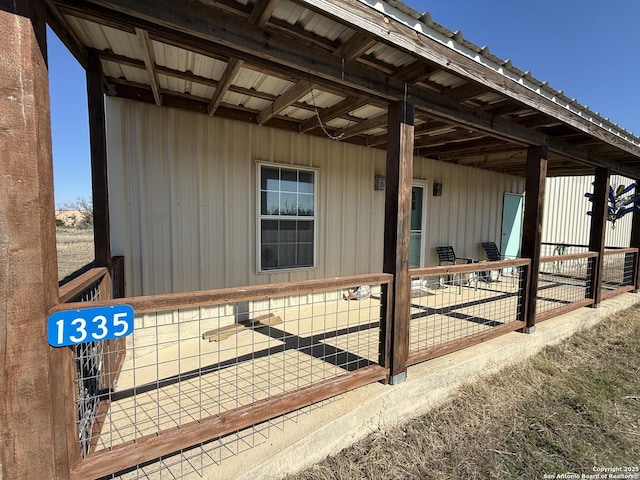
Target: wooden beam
98,149
362,16
37,411
532,228
184,23
150,63
598,231
233,67
63,30
327,114
357,45
397,223
368,124
288,98
262,11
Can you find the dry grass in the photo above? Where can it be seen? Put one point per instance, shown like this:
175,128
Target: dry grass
75,249
571,408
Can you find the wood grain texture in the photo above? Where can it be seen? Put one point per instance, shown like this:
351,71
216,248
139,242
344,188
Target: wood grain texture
36,391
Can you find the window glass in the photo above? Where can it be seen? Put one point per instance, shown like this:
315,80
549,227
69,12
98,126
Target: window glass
287,218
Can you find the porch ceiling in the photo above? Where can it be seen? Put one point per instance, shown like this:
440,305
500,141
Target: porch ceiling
330,67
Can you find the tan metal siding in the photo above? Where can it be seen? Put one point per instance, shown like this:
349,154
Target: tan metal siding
183,194
565,213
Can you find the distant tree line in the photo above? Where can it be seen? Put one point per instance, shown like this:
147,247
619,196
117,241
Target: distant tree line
84,208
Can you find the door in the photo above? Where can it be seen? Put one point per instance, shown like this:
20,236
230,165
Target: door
418,223
511,225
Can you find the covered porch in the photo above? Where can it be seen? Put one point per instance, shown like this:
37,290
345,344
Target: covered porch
229,334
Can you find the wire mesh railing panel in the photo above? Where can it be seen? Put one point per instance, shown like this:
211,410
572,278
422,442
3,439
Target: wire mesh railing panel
563,283
185,366
618,269
460,305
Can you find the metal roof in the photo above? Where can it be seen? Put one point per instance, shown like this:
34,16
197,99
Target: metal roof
295,63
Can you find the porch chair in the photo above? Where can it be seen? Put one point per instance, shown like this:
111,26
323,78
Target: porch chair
493,255
447,256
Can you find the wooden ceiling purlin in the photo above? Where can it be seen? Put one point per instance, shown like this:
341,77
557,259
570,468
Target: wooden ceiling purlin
408,40
188,25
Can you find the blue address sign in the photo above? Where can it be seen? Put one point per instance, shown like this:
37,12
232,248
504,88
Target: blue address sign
72,327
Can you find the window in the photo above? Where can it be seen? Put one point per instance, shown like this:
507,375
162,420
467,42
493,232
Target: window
287,218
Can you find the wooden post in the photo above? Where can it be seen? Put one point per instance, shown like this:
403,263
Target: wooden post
532,229
397,222
98,146
635,242
37,419
597,234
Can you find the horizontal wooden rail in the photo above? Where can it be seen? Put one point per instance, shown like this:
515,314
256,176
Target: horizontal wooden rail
619,251
79,284
174,301
617,291
468,267
153,446
568,256
428,354
556,312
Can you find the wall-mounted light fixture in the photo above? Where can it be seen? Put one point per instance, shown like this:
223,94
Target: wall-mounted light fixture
379,182
437,189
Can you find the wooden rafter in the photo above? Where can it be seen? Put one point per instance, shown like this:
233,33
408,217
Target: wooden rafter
149,61
368,124
262,11
292,95
357,45
223,34
347,105
233,67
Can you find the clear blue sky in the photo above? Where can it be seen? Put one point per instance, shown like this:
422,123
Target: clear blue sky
588,48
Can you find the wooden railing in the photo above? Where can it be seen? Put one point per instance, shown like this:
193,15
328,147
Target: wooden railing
97,364
619,271
262,351
453,307
564,282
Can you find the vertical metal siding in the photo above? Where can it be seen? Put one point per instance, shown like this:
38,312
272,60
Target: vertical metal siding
565,217
183,200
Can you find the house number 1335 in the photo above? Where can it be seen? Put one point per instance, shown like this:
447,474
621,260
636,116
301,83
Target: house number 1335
89,325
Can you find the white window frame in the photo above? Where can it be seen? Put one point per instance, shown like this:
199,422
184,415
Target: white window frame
259,217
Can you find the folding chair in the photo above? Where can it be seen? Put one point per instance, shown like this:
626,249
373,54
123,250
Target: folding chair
447,256
493,255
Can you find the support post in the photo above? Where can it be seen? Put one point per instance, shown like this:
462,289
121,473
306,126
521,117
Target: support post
37,419
397,222
634,242
98,148
532,229
597,233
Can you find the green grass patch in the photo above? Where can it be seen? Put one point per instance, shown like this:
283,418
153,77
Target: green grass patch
568,409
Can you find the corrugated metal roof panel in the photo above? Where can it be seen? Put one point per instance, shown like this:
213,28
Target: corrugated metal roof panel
446,79
111,69
248,78
297,113
368,111
246,101
136,74
390,56
296,15
456,42
320,99
102,37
